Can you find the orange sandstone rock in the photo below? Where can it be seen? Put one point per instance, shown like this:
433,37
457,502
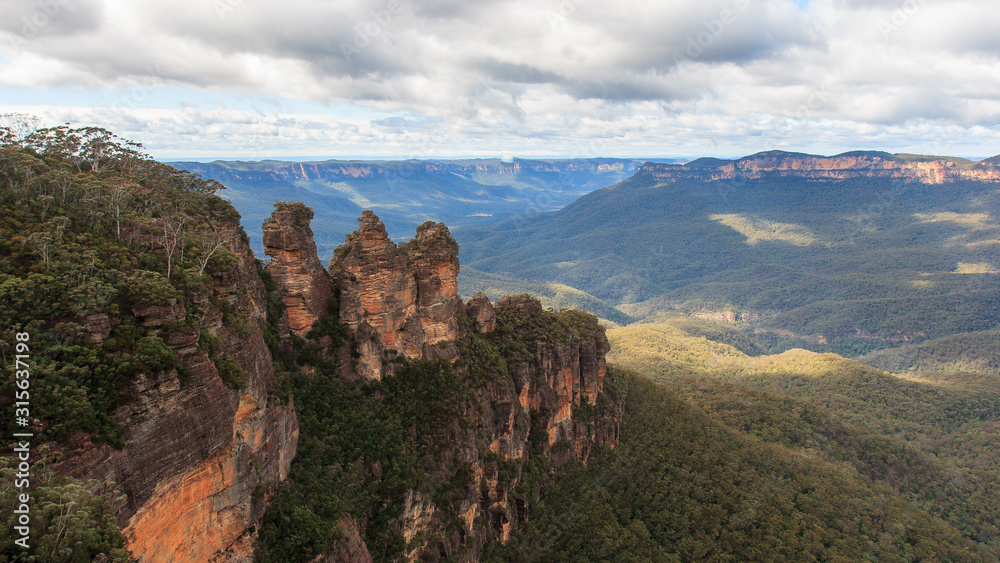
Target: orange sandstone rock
295,266
398,299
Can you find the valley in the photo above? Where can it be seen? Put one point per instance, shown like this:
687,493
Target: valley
765,370
407,193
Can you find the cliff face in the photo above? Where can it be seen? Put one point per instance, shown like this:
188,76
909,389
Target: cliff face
398,300
295,266
338,171
533,384
549,406
928,170
203,454
199,459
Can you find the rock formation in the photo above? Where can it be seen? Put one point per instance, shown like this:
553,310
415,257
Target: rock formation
542,392
563,374
199,459
482,311
925,169
295,266
398,300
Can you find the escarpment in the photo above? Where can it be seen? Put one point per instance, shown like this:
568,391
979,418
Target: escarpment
295,266
206,443
927,170
398,300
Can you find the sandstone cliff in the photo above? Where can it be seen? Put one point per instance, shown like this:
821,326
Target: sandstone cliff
207,443
526,393
200,459
548,406
295,266
398,300
925,169
339,171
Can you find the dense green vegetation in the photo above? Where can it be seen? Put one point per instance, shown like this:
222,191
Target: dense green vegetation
92,230
847,266
931,438
685,486
70,523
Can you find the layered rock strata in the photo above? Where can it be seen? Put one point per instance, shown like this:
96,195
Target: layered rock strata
398,300
199,459
295,266
928,170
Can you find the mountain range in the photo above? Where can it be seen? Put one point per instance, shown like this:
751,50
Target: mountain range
407,193
858,254
190,402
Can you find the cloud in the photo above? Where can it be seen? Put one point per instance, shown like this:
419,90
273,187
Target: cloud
549,76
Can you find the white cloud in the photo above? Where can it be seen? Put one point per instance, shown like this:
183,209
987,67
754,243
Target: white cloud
551,77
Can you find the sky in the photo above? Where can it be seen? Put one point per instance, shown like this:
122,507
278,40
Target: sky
252,79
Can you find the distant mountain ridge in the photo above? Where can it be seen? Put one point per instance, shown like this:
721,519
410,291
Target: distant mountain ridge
855,253
407,193
854,164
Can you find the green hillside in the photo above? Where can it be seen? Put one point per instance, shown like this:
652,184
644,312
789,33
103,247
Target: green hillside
696,478
849,266
929,437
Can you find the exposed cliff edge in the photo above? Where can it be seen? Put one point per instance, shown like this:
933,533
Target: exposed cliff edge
925,169
398,300
201,454
295,267
482,404
340,170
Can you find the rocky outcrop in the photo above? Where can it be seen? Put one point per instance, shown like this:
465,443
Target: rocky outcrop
295,266
925,169
548,403
199,459
482,312
564,372
351,548
398,300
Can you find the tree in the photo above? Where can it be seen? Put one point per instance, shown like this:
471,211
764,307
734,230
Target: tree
170,236
17,127
45,242
209,242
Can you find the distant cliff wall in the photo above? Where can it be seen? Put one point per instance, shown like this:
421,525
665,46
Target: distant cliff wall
928,170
